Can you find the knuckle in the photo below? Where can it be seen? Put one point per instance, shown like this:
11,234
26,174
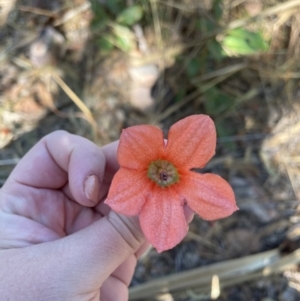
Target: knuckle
128,228
58,133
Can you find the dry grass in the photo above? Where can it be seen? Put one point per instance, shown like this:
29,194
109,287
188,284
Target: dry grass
55,75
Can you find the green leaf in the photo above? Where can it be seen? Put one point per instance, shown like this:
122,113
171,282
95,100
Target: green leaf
193,67
205,25
98,25
243,42
130,15
123,43
124,38
180,95
115,6
215,50
217,9
97,8
224,129
100,16
216,101
105,44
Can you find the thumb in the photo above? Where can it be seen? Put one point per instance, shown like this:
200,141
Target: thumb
96,251
76,265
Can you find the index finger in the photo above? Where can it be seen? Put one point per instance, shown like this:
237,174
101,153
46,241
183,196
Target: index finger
61,159
111,167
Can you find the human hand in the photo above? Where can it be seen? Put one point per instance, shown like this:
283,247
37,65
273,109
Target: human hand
58,240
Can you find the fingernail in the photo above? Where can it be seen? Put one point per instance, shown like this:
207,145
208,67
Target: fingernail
92,188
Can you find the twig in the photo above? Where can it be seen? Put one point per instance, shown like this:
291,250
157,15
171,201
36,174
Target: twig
267,12
72,13
9,51
200,239
201,278
241,22
182,7
220,72
140,37
177,49
37,11
257,136
247,96
294,186
86,111
156,22
199,282
157,56
190,97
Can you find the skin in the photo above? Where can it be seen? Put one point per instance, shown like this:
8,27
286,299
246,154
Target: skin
58,240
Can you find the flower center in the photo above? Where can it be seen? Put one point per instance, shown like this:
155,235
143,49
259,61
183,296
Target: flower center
163,173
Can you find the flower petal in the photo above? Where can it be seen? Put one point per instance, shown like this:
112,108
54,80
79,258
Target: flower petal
191,141
208,195
162,219
127,193
139,145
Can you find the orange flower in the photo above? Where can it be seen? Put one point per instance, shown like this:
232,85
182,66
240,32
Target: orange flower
155,179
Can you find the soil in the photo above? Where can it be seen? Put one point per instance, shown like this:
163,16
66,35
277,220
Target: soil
44,53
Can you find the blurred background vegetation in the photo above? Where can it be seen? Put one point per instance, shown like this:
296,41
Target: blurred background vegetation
95,67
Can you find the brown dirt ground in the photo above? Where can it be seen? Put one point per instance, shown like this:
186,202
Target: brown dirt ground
260,158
